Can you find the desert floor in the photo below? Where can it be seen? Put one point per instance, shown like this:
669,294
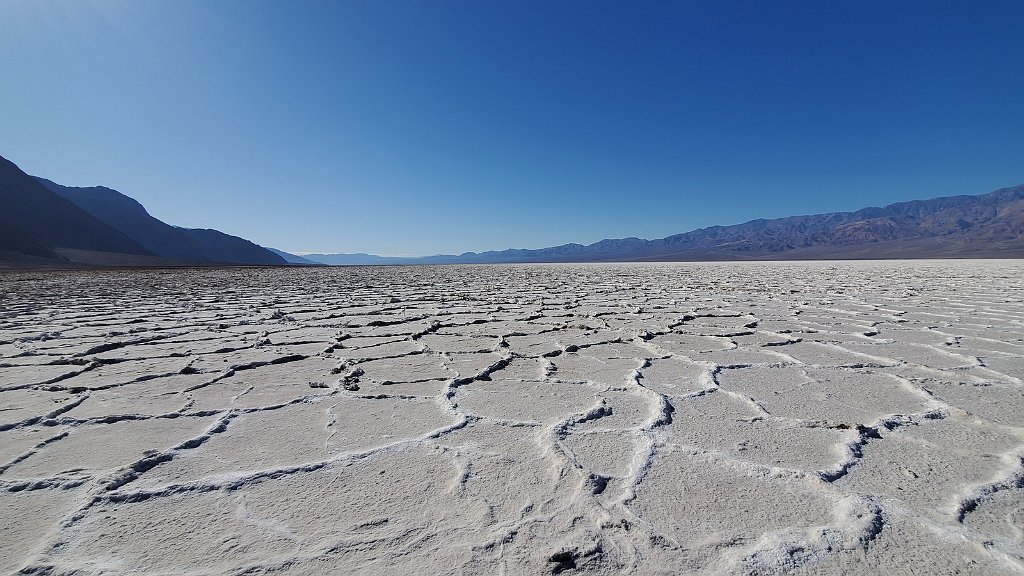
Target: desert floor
826,418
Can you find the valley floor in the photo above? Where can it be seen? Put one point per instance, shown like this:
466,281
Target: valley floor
762,418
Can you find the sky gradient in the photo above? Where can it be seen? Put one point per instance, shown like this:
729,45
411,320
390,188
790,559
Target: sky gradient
414,127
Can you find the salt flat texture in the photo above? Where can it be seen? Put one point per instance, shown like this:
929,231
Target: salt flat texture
825,418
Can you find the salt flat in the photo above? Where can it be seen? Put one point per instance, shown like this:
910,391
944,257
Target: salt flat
763,418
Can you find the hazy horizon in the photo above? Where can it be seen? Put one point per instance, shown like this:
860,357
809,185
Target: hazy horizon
410,128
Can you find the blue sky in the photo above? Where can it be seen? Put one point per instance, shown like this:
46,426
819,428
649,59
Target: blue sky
416,127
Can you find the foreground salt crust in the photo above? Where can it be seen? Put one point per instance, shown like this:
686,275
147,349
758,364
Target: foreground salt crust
825,418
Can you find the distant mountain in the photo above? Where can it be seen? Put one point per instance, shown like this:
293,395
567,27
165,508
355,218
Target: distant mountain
292,258
985,226
362,259
36,222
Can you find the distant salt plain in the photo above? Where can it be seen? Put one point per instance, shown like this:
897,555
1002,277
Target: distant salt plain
761,418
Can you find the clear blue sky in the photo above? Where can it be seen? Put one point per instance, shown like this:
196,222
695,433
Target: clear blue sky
418,127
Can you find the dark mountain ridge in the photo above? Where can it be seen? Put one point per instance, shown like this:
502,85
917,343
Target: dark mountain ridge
131,218
172,242
97,225
35,221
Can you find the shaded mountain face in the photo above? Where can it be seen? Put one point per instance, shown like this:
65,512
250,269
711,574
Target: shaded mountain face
13,241
180,245
34,220
221,247
131,218
42,220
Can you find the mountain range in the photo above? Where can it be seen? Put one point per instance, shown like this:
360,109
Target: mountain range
44,222
984,226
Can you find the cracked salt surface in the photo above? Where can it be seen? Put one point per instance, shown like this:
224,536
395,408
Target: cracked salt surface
761,418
